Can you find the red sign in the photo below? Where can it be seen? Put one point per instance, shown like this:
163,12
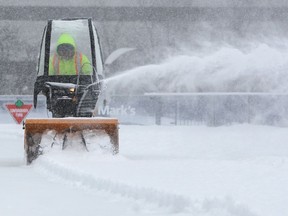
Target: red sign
19,110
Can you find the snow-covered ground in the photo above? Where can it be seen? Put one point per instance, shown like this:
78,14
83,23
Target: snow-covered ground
237,170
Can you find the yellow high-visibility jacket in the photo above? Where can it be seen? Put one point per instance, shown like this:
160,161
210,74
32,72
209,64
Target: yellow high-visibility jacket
79,62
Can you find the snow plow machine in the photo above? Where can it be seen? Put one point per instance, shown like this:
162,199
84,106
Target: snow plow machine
70,76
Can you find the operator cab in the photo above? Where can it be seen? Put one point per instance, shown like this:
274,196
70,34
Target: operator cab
67,86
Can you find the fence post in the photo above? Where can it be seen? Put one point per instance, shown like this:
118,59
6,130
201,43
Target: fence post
158,110
176,112
248,109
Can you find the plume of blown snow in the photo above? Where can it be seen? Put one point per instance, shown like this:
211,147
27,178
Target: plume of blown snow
261,68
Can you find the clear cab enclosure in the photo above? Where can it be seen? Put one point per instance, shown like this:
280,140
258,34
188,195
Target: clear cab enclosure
86,65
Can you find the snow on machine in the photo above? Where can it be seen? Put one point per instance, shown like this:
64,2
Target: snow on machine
70,76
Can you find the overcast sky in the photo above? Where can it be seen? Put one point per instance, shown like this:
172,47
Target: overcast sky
180,3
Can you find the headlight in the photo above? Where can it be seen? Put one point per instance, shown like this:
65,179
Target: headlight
72,90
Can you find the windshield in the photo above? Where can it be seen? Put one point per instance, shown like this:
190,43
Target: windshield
70,48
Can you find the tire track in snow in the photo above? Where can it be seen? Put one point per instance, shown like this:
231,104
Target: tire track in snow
175,203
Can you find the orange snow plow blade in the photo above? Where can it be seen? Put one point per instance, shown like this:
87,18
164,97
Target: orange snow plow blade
34,128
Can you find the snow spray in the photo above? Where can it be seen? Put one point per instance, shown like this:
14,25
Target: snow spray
260,68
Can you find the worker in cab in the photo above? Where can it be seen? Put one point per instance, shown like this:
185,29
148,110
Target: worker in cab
67,60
